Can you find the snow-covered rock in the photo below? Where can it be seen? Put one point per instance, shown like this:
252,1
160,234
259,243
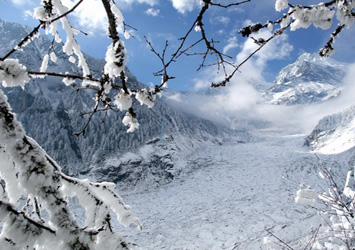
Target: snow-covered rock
310,79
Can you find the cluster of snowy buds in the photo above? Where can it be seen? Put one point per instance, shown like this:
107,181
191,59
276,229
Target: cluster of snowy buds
45,12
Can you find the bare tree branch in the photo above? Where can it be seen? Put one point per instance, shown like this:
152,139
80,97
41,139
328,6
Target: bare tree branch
70,76
261,45
281,241
229,5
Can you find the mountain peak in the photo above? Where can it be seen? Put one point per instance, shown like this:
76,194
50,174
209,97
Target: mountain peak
312,68
308,57
309,79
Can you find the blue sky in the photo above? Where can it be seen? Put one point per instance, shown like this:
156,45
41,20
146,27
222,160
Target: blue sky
160,21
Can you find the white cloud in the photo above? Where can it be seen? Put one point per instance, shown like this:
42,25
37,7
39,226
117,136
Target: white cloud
278,48
221,19
252,70
152,12
221,32
236,9
22,2
184,6
240,100
240,104
90,14
231,44
131,2
239,96
175,97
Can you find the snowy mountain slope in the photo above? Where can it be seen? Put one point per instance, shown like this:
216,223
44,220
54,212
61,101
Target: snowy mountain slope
308,80
334,134
50,112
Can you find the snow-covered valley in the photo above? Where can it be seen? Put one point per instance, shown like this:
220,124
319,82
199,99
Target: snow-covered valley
206,170
229,196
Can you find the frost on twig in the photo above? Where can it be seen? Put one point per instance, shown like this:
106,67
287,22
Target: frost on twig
338,211
29,172
336,206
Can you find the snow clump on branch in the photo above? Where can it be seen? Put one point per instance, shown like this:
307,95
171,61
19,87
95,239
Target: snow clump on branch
12,73
131,121
146,96
306,197
115,58
281,4
48,12
345,12
123,100
320,16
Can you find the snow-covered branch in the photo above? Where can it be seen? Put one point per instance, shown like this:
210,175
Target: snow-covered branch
29,172
338,211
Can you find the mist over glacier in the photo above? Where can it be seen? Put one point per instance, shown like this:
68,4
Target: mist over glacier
242,103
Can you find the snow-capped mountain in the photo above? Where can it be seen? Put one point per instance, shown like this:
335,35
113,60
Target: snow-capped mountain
50,113
308,80
334,134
